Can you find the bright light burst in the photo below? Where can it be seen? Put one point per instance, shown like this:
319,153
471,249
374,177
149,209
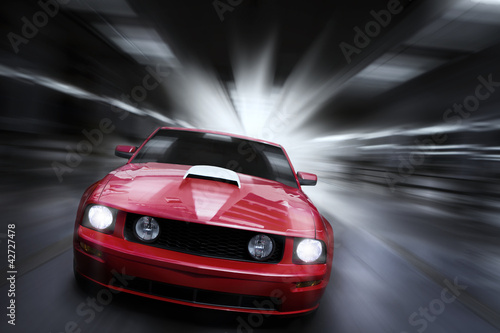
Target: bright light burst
253,105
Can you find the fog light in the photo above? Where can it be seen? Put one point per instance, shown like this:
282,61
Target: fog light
90,250
147,229
308,284
260,247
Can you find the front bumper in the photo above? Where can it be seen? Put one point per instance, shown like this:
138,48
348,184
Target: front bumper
198,281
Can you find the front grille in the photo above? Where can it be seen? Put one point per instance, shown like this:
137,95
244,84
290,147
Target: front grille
205,240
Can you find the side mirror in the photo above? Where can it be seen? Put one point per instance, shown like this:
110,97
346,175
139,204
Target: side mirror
307,179
125,151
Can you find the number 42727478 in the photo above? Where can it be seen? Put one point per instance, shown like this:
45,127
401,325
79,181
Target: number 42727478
11,247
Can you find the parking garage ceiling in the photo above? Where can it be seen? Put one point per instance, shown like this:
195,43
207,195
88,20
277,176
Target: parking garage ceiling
106,47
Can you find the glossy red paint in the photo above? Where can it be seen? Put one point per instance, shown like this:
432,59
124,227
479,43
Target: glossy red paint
306,178
160,190
126,149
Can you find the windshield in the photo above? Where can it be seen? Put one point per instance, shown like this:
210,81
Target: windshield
194,148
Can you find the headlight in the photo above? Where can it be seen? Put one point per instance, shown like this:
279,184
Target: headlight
310,250
260,247
100,217
146,229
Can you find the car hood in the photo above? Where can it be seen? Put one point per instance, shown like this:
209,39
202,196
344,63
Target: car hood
160,190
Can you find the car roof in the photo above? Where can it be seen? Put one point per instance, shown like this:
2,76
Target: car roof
220,133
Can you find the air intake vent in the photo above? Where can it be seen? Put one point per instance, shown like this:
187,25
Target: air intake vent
213,173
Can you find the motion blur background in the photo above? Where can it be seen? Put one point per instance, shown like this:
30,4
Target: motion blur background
394,104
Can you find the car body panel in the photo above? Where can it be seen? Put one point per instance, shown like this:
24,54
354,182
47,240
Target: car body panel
258,205
159,190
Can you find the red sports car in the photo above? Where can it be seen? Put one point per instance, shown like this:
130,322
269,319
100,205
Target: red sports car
206,219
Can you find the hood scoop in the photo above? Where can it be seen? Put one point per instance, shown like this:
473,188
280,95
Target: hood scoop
217,174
